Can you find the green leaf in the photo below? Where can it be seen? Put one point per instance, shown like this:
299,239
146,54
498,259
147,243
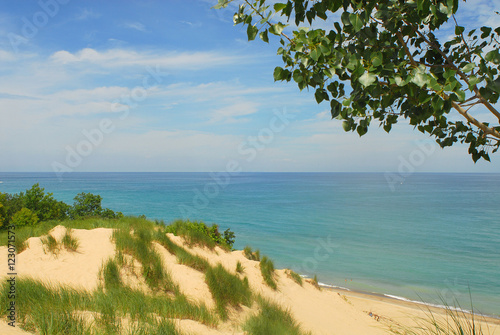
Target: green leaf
222,4
346,125
486,32
377,59
278,71
493,56
277,28
315,54
420,79
356,21
336,107
367,79
252,32
279,6
263,36
468,68
473,80
459,30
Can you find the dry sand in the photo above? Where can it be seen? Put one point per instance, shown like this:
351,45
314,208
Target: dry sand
319,311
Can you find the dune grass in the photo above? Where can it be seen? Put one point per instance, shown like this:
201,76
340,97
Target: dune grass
227,289
294,276
139,245
455,321
183,256
111,275
251,255
70,242
239,267
272,319
267,271
50,244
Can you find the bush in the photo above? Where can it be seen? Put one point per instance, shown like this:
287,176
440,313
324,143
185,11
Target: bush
25,217
198,233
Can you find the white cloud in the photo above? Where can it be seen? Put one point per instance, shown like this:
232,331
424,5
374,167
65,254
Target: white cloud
120,58
231,113
87,14
136,25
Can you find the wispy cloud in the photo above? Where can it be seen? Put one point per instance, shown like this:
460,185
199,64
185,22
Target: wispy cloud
87,14
121,57
136,25
232,113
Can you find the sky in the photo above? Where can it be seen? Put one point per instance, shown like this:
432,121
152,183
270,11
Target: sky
174,86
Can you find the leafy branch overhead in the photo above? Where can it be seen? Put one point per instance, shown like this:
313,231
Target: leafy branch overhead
380,61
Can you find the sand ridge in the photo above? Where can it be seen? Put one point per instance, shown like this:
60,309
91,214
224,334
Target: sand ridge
318,311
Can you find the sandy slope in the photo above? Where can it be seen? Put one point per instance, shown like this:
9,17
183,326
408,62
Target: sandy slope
321,312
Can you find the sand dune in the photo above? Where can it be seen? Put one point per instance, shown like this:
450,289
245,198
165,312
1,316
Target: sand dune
319,311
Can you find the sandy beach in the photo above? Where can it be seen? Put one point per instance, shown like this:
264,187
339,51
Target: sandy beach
325,311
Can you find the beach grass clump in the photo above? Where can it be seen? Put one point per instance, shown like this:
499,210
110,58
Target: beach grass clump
227,289
251,255
239,267
50,244
111,274
272,319
183,256
70,242
267,271
200,234
456,321
294,276
60,322
139,245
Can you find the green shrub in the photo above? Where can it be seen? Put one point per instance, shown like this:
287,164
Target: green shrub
198,233
227,289
272,319
25,217
267,271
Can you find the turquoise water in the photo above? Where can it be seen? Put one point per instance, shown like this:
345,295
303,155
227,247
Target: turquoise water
431,237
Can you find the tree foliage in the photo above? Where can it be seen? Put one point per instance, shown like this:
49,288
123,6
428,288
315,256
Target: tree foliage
34,205
381,62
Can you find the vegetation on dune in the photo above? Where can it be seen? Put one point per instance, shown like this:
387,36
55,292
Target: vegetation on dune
294,276
251,255
272,319
198,233
227,289
267,271
50,244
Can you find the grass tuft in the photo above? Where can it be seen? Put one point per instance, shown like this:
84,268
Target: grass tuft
294,276
50,244
267,271
111,275
70,242
272,319
227,289
239,267
251,255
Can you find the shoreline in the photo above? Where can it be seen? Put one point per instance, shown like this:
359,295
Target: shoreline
405,302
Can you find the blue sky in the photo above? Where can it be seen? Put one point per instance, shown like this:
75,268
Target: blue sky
174,86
